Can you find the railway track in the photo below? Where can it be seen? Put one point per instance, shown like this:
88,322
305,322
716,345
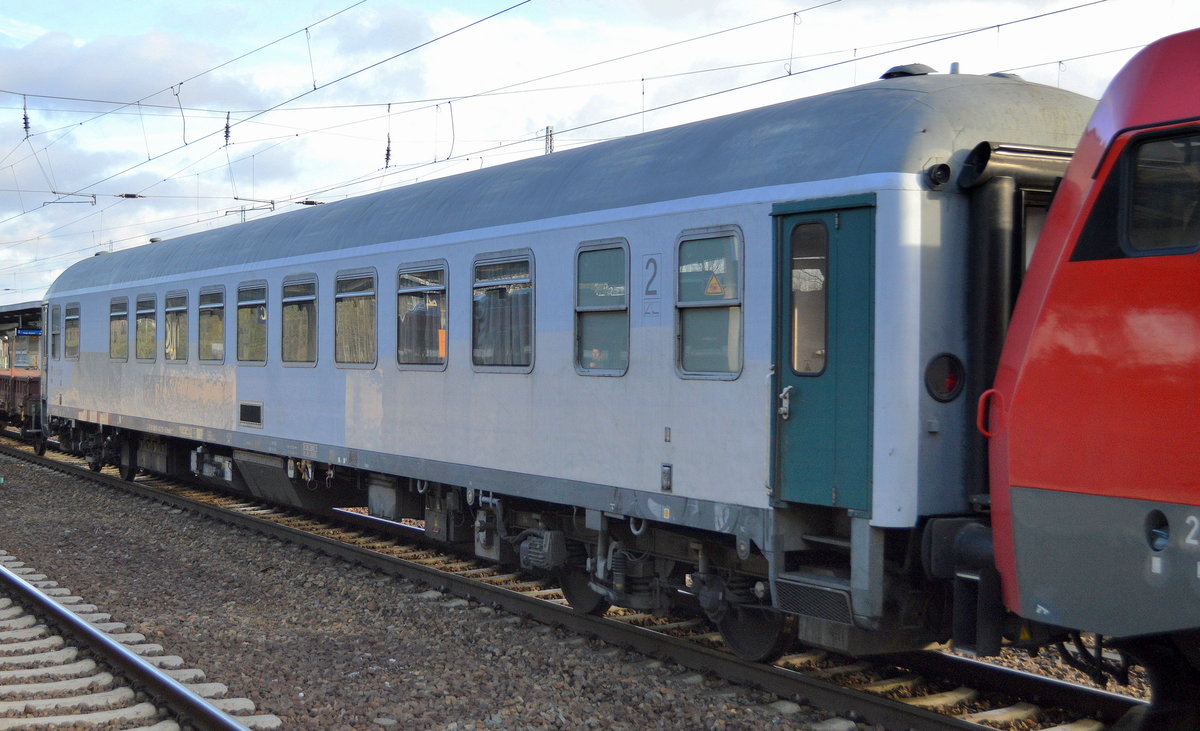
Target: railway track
66,664
917,690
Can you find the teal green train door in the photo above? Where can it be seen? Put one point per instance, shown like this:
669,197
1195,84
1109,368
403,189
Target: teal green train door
824,315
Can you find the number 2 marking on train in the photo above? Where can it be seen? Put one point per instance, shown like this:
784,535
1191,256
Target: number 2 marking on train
651,267
1192,538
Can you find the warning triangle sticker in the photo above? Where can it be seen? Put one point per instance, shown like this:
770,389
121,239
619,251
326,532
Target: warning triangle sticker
714,286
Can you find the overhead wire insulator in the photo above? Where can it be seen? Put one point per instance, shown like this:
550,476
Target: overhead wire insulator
226,129
387,154
25,112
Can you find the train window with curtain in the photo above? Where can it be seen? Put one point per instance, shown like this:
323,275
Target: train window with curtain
71,331
421,317
1164,217
354,321
118,329
810,257
502,313
299,318
709,306
602,309
145,335
252,322
175,327
211,326
55,330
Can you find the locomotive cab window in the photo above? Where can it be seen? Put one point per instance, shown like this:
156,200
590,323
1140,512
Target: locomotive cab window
71,332
1148,205
809,298
602,309
211,327
300,320
145,330
118,329
502,314
354,319
175,327
252,323
709,306
1163,209
421,317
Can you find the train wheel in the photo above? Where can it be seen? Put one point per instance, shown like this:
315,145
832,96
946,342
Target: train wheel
579,595
757,634
39,447
93,462
1173,666
128,468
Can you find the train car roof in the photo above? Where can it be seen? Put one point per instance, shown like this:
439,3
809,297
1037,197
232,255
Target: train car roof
895,125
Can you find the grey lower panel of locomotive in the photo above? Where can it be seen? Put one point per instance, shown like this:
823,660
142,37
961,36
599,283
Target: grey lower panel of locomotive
1083,558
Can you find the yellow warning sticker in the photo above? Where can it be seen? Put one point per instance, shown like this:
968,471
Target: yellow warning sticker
714,285
666,513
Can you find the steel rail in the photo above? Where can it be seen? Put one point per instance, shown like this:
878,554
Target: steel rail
162,687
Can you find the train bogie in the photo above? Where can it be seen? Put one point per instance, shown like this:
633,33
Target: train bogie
728,366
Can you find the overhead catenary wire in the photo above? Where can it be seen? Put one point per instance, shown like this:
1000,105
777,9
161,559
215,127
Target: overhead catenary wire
398,170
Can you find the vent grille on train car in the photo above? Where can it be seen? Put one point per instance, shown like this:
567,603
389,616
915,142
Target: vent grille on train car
250,414
814,601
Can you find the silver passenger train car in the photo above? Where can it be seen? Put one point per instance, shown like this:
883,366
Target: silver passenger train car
729,365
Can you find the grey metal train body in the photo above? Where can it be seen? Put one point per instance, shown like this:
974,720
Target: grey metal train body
717,365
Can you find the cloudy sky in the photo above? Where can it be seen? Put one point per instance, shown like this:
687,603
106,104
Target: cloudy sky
155,119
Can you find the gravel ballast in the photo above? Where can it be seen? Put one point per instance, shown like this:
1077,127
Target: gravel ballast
327,645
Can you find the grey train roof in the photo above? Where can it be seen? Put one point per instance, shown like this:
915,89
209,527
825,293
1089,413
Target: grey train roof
894,125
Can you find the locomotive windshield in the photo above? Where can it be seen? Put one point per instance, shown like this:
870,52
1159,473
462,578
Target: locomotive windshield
1165,194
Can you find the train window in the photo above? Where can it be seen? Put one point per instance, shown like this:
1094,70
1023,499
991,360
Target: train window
709,306
354,319
212,325
145,331
1164,187
55,330
502,313
299,319
252,323
175,327
118,329
71,332
810,259
421,317
602,309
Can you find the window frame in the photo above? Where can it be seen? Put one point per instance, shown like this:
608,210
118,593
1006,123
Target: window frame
264,303
506,257
444,288
293,280
738,303
201,307
68,318
123,313
347,275
581,311
139,300
1129,163
55,331
168,311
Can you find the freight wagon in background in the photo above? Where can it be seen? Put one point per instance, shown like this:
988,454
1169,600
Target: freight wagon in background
20,365
732,366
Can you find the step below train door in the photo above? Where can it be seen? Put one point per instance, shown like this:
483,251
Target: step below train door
824,305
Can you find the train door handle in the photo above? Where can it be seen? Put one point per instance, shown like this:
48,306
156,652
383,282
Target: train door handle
785,402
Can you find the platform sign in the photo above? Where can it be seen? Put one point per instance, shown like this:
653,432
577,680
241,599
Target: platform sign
29,331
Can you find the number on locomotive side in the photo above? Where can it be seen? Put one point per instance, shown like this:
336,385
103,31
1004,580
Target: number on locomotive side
652,267
1192,538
